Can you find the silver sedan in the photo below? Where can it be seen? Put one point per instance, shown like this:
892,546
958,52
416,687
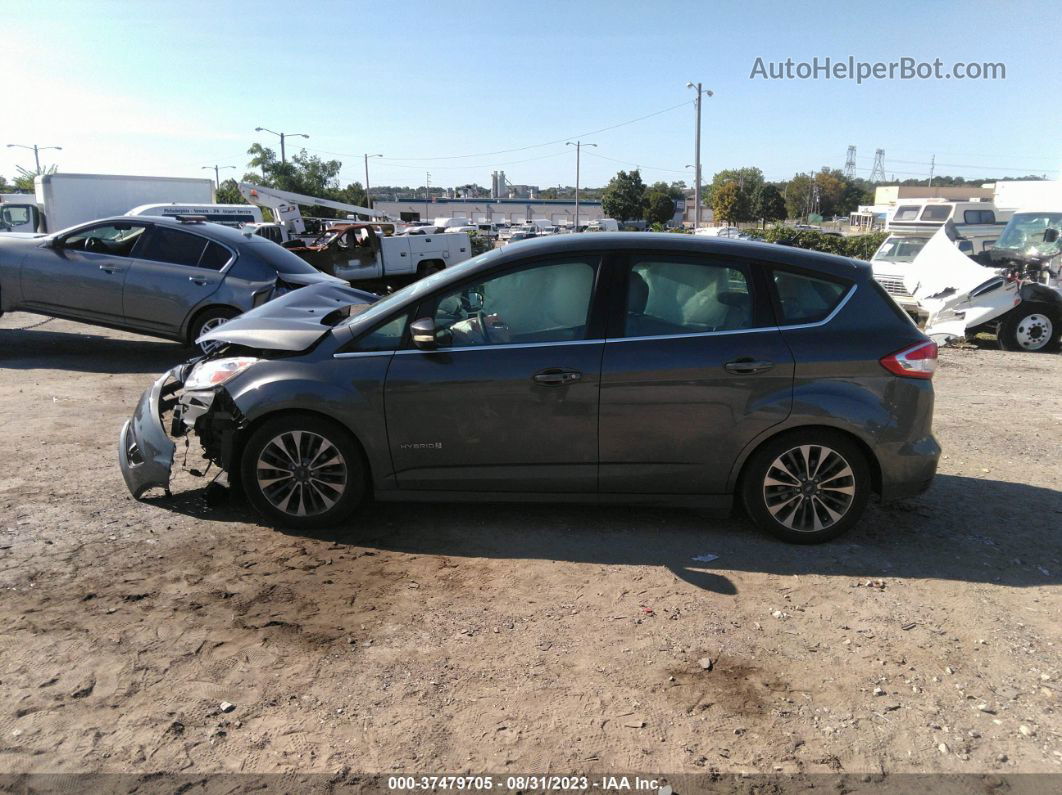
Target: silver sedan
169,278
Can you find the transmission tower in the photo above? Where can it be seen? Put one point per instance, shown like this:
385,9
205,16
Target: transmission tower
877,174
849,163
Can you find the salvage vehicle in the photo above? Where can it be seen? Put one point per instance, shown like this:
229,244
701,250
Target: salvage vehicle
896,255
373,256
1011,291
615,367
171,278
377,257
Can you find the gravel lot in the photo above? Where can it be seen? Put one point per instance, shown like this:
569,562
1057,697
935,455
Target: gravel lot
519,638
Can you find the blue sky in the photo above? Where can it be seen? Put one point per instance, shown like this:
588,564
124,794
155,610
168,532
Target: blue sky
164,88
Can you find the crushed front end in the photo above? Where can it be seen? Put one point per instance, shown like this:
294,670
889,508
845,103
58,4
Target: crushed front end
145,451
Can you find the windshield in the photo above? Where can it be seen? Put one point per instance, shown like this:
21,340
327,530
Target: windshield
900,249
278,256
1025,233
419,288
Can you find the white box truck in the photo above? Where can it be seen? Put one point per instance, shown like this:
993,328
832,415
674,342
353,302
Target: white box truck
65,200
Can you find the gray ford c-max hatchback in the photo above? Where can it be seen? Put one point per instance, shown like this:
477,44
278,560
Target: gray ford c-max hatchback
647,368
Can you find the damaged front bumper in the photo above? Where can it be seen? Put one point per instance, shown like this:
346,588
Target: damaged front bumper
145,451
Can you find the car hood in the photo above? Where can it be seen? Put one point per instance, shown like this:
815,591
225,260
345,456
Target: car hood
293,322
940,269
21,235
306,279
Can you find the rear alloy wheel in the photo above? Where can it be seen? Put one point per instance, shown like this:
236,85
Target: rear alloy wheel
209,320
1031,328
806,487
302,472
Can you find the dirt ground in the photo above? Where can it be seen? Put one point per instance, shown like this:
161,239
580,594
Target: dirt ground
447,639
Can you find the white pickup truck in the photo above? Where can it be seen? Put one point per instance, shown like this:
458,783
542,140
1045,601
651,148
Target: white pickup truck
367,252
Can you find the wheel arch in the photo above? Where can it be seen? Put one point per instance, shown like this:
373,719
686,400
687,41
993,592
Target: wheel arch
741,465
195,314
239,440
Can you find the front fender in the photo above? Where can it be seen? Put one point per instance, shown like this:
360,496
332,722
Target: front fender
348,391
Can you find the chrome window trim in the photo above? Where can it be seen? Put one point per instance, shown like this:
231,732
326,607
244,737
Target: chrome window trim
789,327
359,354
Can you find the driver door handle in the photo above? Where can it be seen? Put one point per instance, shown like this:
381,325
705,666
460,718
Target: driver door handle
555,376
109,268
746,365
197,280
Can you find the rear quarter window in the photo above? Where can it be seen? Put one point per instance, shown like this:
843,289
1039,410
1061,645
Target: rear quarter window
803,298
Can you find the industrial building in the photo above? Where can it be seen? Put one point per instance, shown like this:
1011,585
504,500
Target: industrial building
557,211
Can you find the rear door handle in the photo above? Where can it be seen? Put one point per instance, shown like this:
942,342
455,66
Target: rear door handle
555,376
746,365
197,280
110,268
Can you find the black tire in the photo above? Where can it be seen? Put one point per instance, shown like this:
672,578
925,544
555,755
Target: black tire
429,267
1032,327
803,513
206,319
340,481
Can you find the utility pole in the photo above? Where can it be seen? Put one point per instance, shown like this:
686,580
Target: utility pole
217,179
368,198
578,147
697,153
36,152
932,168
427,189
283,154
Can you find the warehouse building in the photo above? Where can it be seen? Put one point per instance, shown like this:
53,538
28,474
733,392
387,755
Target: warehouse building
560,212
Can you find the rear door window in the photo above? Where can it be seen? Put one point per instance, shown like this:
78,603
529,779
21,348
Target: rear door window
174,246
806,299
215,256
667,297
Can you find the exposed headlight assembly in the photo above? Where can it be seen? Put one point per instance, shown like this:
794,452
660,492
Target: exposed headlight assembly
207,375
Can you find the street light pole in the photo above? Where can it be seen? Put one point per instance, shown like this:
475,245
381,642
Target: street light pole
36,152
217,179
283,154
427,188
697,153
578,147
368,198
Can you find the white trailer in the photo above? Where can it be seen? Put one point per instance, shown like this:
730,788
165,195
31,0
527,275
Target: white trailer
65,200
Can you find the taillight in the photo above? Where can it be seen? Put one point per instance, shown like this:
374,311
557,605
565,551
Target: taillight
918,361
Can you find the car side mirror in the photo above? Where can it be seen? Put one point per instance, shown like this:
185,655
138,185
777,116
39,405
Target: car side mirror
422,332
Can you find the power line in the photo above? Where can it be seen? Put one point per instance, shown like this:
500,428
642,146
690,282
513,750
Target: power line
639,166
521,148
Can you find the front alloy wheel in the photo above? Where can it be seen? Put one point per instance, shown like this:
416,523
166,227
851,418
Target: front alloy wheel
302,471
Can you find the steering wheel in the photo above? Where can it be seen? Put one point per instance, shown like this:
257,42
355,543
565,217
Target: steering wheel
93,244
499,325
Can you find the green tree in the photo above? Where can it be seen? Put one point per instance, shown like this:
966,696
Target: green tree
228,193
768,205
24,180
749,179
798,196
624,197
659,206
730,204
354,193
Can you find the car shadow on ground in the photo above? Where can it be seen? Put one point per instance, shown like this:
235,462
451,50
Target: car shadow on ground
40,349
964,529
